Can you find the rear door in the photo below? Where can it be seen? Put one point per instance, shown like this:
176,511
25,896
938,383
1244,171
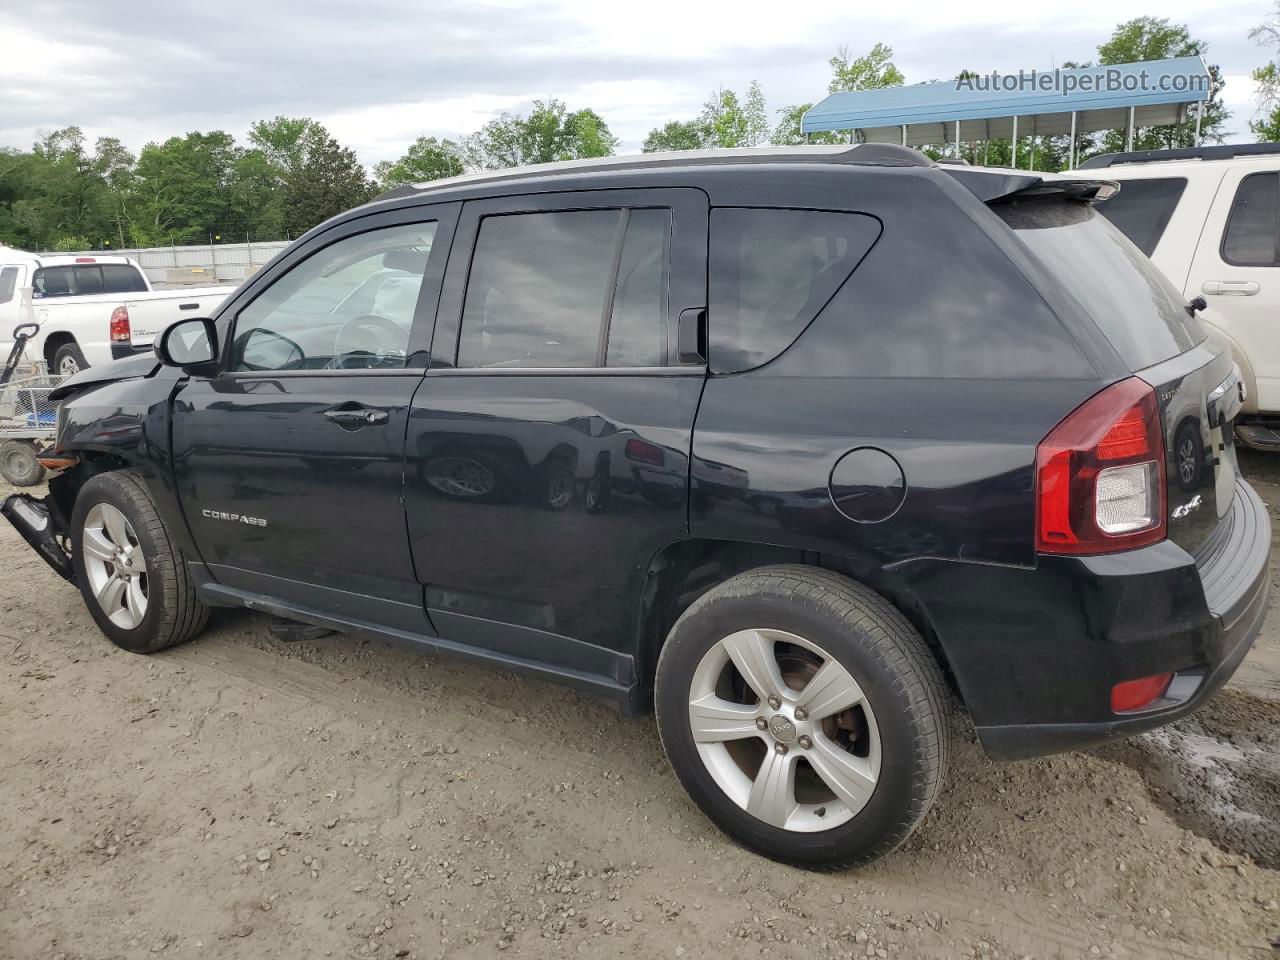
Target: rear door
1237,269
290,460
548,446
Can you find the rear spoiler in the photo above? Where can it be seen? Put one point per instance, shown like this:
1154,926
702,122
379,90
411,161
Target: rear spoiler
990,186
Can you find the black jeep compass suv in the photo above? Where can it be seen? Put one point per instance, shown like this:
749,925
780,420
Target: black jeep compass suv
793,446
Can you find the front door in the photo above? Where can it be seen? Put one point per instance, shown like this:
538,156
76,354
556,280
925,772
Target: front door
548,446
290,461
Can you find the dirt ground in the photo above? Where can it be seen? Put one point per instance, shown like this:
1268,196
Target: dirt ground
244,797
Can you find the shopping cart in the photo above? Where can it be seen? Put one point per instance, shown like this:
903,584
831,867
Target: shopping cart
28,419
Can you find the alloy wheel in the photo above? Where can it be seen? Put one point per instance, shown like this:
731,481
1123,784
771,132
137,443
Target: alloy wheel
784,730
115,566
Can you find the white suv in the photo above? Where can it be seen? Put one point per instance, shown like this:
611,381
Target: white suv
1210,219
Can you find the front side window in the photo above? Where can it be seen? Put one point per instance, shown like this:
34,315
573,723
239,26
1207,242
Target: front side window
8,283
349,306
771,272
1249,239
581,288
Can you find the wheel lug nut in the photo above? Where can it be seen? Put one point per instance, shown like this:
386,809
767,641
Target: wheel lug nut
761,723
779,748
775,702
805,742
802,713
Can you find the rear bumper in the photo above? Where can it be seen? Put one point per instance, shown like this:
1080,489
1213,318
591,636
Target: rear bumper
1036,652
121,350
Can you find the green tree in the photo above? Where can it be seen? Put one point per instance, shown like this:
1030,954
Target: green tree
283,141
1267,125
872,71
183,188
675,135
328,181
548,134
724,120
1155,38
427,158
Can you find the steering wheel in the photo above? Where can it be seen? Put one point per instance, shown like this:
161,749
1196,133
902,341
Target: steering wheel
383,328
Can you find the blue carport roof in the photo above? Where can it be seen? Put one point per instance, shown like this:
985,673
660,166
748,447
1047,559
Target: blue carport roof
1101,92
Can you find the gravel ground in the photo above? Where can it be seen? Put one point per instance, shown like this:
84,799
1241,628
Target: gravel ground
244,797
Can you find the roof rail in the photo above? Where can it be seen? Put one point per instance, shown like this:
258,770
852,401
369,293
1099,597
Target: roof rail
1227,151
862,154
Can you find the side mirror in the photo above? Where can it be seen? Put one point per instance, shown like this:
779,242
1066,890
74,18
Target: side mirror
190,344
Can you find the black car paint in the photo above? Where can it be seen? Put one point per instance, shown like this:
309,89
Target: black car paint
602,481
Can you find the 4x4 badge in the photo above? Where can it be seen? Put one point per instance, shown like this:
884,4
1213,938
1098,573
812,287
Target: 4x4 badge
1186,508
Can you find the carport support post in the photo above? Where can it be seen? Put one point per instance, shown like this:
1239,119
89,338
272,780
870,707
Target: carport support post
1071,154
1015,143
1128,133
904,134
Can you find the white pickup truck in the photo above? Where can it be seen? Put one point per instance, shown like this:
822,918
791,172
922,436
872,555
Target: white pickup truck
90,309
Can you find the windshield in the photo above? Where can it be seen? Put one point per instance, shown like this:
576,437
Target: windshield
1136,307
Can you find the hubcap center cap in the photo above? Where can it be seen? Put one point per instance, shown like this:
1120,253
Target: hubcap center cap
782,728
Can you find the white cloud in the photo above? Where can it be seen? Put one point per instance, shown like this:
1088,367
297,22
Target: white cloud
382,73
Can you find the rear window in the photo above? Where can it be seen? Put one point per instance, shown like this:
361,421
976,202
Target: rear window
1142,209
83,279
1132,302
771,272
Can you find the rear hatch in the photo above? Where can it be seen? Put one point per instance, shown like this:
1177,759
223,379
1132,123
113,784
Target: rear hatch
1196,382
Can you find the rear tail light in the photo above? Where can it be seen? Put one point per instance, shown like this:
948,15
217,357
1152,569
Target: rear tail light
1136,694
644,452
1100,475
120,332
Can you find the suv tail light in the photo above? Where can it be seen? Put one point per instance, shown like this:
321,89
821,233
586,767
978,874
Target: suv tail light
1100,475
120,332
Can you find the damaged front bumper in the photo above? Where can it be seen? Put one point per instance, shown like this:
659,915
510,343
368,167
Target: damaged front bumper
38,525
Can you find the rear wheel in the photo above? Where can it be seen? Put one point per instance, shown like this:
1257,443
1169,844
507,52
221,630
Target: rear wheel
133,579
69,360
18,463
804,715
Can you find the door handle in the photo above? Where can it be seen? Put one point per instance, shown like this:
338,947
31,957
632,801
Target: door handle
1231,288
356,417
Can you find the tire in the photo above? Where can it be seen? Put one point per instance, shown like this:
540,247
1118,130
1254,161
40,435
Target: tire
896,739
18,463
159,607
67,356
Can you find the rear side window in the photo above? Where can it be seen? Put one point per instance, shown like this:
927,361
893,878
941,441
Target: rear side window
771,272
8,283
1130,300
1142,208
122,278
580,288
1251,233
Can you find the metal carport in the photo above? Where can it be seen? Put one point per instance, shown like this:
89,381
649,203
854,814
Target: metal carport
1029,103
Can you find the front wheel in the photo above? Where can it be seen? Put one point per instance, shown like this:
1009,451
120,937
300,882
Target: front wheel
133,579
804,715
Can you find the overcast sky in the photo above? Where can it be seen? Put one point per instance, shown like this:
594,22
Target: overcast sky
379,74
